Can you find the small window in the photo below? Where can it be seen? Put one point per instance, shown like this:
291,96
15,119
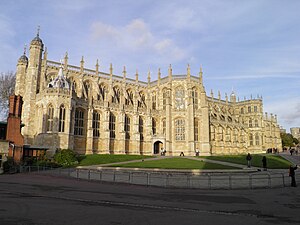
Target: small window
62,117
112,126
256,123
79,116
127,127
141,128
96,124
50,114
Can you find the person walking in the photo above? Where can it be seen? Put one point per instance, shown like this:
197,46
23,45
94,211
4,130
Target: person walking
248,158
264,162
292,175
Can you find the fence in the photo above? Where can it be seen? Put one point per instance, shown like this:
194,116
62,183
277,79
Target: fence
255,180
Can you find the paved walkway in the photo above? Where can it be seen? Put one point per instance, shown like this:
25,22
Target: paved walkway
295,159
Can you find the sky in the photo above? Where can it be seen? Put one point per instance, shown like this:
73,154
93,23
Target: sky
251,47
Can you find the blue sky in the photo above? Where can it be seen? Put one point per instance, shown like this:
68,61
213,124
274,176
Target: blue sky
252,46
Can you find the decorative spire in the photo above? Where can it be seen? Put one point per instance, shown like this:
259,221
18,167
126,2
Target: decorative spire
200,75
66,60
111,70
25,46
38,31
97,67
124,73
226,97
219,95
81,64
170,72
211,93
188,71
158,76
149,78
136,76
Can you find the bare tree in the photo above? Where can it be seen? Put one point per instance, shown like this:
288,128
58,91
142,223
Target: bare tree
7,88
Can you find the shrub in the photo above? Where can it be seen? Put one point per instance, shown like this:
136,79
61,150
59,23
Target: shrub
65,157
8,165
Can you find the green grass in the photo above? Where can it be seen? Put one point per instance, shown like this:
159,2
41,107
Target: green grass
174,163
87,160
273,161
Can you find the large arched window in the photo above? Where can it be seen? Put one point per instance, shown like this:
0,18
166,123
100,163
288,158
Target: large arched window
195,98
180,130
62,118
255,108
164,99
235,134
221,133
250,123
154,126
250,139
256,139
79,121
112,126
242,110
141,128
228,134
153,100
212,133
196,129
256,123
50,114
96,124
164,126
127,127
179,99
249,109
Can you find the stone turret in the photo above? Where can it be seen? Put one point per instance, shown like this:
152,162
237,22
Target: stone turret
21,74
32,85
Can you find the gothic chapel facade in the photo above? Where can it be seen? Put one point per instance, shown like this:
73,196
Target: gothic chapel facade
90,112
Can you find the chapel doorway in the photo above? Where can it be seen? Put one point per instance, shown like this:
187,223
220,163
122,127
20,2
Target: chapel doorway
157,146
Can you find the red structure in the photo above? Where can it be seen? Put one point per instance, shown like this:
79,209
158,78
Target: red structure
13,132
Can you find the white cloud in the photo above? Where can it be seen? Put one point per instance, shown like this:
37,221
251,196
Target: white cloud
288,111
136,36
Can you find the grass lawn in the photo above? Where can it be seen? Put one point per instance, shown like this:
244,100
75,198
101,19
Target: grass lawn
273,161
175,163
87,160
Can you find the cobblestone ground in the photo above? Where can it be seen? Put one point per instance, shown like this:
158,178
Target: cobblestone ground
38,199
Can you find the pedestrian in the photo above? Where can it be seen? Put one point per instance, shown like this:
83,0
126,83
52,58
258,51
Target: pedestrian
292,175
181,154
248,158
264,162
197,152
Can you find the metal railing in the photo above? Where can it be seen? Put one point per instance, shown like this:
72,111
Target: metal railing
255,180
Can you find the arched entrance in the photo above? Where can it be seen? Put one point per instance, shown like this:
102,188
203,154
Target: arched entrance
157,146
